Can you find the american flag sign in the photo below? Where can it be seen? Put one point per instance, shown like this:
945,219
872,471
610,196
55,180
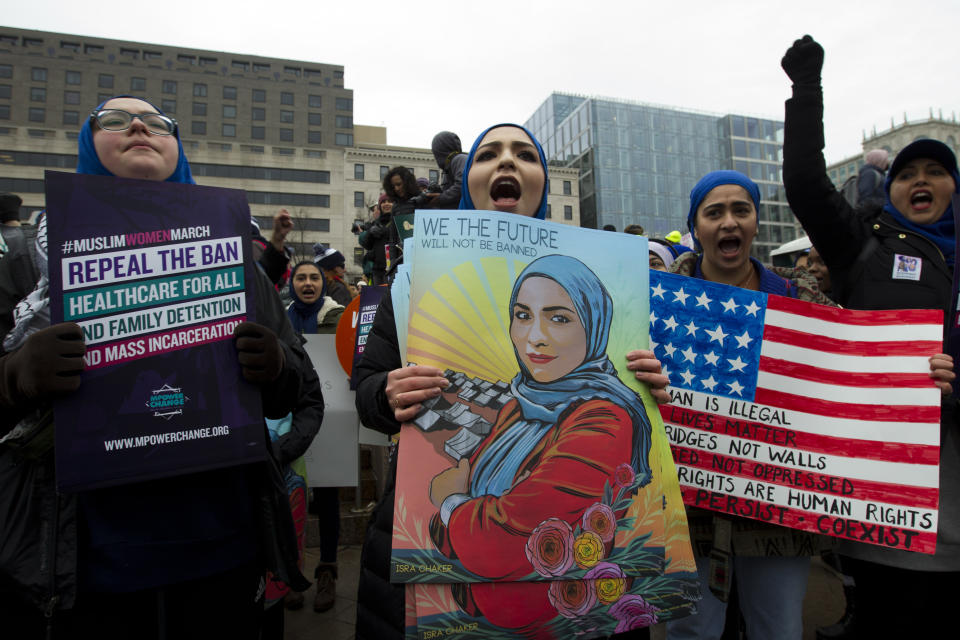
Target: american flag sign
806,416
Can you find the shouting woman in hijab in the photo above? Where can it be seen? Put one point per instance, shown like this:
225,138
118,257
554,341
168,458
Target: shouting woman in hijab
505,171
181,557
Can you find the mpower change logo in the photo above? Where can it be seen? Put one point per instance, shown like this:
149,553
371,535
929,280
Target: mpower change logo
167,402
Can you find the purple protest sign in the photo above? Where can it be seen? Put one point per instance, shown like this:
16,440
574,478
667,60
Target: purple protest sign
158,275
369,301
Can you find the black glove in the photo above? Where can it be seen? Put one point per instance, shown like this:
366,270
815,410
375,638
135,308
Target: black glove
803,61
49,363
259,352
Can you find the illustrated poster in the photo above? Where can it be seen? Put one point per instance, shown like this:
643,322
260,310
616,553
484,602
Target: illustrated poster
158,275
560,485
810,417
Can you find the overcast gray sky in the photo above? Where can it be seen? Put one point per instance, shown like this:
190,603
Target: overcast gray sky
420,67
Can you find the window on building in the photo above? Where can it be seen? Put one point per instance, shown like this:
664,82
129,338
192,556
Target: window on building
6,71
314,119
258,113
567,188
151,55
71,97
226,146
549,212
567,212
105,81
344,139
252,148
257,133
239,65
286,135
434,175
286,97
182,58
71,117
358,199
344,122
314,137
138,84
259,95
312,101
312,73
286,116
295,71
229,111
72,47
130,53
259,67
338,74
32,42
4,112
206,61
199,90
199,108
229,93
315,153
229,130
5,90
283,151
168,86
344,104
358,172
38,94
198,128
37,74
37,114
72,77
92,49
169,107
384,170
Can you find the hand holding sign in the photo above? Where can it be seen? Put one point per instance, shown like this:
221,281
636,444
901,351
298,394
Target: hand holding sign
49,363
259,352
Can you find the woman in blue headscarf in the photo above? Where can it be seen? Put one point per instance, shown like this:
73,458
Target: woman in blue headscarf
506,171
187,554
900,255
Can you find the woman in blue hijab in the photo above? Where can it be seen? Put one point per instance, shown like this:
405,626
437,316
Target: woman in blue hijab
506,171
188,553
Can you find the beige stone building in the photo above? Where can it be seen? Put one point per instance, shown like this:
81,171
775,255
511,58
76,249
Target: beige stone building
896,138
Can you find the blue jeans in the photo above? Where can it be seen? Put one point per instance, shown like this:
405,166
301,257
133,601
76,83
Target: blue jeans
771,591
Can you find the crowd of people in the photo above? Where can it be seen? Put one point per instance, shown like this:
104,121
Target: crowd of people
220,553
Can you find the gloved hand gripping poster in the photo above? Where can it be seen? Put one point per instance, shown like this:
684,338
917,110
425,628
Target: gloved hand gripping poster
537,491
158,276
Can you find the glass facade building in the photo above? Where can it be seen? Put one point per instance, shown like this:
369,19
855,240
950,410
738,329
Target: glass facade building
638,162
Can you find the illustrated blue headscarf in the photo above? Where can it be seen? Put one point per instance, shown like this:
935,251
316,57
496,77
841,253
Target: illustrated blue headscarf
596,377
303,316
89,163
942,232
466,202
710,182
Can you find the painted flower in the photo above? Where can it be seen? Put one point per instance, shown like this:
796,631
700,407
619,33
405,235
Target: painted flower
623,476
600,519
550,548
609,581
588,549
572,598
633,612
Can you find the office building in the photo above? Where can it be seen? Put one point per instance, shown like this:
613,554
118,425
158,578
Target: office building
637,162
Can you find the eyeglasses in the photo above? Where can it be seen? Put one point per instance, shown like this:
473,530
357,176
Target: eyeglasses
120,120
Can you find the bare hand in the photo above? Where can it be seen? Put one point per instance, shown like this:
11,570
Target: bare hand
941,370
646,367
407,387
282,225
453,480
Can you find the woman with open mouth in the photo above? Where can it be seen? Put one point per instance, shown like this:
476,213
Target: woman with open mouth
900,255
506,170
723,222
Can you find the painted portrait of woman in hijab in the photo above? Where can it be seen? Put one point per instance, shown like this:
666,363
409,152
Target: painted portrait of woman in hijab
573,431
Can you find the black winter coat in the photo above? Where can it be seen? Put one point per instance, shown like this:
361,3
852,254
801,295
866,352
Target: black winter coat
380,605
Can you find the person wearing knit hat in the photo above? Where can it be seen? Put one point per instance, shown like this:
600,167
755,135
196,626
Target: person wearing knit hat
423,184
723,221
673,237
333,265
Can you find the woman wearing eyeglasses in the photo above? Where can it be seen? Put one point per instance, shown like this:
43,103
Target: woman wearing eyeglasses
181,557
